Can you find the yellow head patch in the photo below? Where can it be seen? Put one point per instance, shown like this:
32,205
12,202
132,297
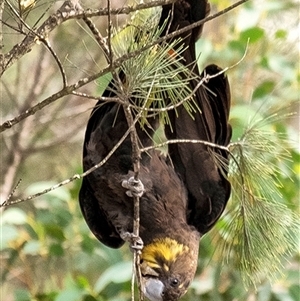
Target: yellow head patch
166,248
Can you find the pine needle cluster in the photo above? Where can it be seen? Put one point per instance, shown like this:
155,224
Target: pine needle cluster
261,230
156,77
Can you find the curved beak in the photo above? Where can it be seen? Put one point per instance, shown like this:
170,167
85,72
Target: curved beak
152,287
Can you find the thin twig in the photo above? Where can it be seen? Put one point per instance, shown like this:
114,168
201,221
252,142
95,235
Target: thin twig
109,33
16,13
42,39
1,25
13,190
57,60
117,63
68,11
136,156
70,90
76,176
103,98
100,40
176,141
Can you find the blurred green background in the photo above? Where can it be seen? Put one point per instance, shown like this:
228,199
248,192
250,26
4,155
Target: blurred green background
47,251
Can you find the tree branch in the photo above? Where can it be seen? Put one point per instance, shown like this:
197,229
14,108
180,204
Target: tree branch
66,11
69,11
9,202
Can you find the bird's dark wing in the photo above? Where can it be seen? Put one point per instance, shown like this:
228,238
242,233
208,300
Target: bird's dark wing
96,218
203,168
199,166
94,215
102,197
180,14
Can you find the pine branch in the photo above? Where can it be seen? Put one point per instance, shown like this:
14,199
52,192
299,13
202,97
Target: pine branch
261,231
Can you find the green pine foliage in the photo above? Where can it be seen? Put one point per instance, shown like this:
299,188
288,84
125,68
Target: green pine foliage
261,229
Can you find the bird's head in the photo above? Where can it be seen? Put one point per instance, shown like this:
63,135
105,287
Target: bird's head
167,269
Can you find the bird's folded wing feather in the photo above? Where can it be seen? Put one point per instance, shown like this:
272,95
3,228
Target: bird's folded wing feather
202,168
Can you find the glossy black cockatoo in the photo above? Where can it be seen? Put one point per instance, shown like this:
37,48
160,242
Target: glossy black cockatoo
182,195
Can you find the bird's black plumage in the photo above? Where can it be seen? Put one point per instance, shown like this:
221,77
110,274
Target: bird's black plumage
108,210
200,167
185,194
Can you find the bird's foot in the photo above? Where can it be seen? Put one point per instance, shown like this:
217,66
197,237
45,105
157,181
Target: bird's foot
135,187
136,243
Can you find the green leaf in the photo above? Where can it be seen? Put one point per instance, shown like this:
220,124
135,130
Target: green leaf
294,290
281,34
103,82
34,231
87,244
239,46
252,35
118,273
91,298
154,78
63,216
82,282
54,231
45,296
141,21
264,89
56,250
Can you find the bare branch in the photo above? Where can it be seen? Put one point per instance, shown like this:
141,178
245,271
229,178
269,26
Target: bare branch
64,92
9,123
1,32
65,12
100,40
106,99
69,11
136,156
57,60
109,33
8,202
175,141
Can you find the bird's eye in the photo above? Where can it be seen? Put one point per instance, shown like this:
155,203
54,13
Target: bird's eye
174,282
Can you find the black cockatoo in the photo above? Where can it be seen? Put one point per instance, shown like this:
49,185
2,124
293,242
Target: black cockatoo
182,196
